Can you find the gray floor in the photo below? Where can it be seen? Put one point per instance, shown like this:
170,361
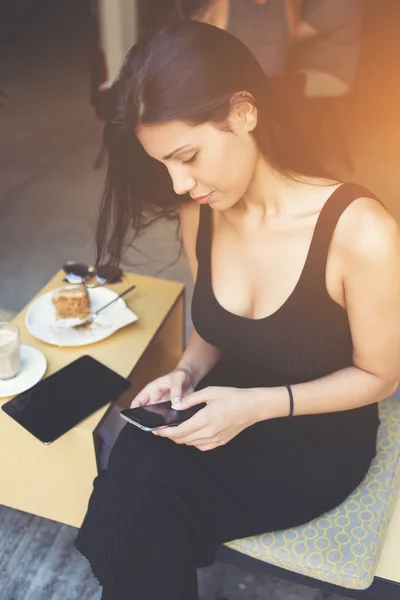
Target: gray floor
38,562
49,195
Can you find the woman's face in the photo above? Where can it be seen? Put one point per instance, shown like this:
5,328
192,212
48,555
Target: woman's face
214,166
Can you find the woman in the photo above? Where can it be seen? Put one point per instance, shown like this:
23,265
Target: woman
295,310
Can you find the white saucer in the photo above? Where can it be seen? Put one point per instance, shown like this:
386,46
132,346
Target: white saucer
33,367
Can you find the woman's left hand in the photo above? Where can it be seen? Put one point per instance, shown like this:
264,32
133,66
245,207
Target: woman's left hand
227,413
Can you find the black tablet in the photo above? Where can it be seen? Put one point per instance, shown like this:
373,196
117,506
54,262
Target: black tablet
59,402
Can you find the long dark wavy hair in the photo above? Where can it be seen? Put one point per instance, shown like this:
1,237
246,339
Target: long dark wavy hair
187,71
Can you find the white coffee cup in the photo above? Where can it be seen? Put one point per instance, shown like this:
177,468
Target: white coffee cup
10,351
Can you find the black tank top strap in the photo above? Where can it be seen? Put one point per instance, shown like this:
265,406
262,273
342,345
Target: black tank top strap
314,270
315,267
204,235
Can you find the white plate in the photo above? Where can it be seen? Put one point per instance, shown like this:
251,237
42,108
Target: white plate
41,320
33,367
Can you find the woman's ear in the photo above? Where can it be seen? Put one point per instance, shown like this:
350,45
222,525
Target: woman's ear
243,113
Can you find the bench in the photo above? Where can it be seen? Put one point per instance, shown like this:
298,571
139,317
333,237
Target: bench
341,552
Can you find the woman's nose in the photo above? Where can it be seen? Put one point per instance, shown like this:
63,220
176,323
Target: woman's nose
182,182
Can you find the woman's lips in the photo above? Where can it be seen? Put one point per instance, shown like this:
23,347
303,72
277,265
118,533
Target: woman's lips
203,199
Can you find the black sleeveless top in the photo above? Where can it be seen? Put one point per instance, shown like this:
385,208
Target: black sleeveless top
308,337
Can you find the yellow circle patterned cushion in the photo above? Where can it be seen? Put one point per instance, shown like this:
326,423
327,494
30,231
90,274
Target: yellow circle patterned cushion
343,546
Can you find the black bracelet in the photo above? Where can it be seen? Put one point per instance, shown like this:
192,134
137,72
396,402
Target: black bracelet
289,389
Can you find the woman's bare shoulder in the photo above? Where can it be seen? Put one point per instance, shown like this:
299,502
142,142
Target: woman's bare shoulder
366,230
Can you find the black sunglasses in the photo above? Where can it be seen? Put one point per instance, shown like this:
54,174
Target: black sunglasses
81,273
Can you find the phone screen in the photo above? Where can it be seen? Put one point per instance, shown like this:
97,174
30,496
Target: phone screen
160,415
62,400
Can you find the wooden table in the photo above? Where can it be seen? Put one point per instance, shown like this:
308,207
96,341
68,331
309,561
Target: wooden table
55,481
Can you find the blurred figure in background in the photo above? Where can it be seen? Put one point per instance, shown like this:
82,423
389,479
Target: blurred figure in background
327,39
320,38
262,25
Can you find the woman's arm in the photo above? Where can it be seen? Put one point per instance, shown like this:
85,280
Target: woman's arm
367,241
199,356
343,390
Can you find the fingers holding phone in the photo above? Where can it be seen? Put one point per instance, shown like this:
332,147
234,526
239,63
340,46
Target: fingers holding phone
173,386
181,386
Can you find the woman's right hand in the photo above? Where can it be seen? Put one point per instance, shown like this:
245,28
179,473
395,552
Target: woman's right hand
173,386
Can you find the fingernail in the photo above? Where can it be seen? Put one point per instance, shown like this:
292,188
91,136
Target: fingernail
176,401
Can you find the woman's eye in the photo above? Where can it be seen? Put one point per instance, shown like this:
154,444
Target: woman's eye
190,160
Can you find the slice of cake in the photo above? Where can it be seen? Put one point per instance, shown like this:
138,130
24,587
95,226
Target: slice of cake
71,302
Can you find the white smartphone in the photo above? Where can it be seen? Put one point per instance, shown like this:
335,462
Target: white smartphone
157,416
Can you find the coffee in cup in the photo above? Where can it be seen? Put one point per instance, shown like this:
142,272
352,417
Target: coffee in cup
10,351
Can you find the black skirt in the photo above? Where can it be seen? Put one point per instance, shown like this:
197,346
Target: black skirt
160,510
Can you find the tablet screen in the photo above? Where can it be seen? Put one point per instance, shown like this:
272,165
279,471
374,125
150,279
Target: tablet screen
62,400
